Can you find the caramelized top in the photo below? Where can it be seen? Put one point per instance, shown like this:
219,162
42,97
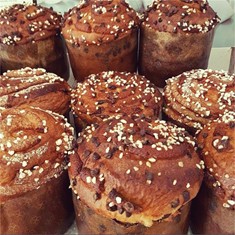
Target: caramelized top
27,23
196,97
96,22
34,146
135,171
112,93
34,87
194,16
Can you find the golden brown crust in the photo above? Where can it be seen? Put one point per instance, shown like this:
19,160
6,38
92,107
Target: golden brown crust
135,171
97,22
217,146
32,150
34,87
196,97
28,23
112,93
184,16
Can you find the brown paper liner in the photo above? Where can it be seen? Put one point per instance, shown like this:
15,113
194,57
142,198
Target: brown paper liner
208,216
89,222
164,55
117,55
47,210
49,54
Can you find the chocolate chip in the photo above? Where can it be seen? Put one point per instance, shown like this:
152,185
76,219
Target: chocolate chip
86,153
120,210
204,135
40,129
224,143
101,101
74,182
128,214
95,172
12,18
70,22
186,195
188,154
99,110
111,152
96,156
96,125
95,141
112,193
113,100
155,22
75,144
175,203
97,196
132,131
203,7
111,208
101,186
102,228
173,10
148,175
112,87
231,124
100,40
129,207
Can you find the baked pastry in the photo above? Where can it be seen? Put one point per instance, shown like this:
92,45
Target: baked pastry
213,210
134,177
34,194
30,37
103,35
194,98
112,93
176,36
34,87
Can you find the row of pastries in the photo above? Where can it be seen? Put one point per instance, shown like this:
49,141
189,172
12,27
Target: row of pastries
141,161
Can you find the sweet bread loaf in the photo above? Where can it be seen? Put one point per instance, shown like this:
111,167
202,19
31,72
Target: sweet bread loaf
194,98
34,87
111,93
34,194
30,37
101,36
213,210
176,36
134,176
